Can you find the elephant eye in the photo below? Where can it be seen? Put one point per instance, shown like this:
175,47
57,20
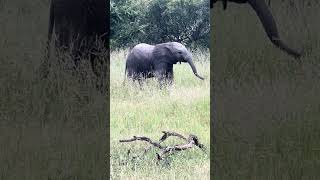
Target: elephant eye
179,52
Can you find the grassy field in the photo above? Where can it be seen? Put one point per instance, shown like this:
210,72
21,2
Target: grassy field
267,102
185,108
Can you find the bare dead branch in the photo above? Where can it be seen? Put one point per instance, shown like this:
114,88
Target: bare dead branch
191,141
142,138
167,134
171,149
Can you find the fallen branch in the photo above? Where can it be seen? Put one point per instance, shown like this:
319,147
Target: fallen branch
167,134
167,150
142,138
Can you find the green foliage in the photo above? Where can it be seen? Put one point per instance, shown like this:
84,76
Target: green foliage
158,21
126,21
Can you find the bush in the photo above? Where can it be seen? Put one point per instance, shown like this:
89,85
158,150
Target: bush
158,21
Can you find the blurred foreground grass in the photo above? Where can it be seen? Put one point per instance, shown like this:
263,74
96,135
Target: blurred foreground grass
52,128
267,103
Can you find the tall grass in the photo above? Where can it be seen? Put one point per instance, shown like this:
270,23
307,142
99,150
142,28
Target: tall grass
183,108
267,103
52,128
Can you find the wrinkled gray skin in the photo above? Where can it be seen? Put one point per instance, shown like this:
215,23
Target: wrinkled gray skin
81,27
147,61
267,20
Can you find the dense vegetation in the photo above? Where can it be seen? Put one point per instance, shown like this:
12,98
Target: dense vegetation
135,21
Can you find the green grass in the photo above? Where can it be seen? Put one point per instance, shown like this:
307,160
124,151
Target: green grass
185,108
267,103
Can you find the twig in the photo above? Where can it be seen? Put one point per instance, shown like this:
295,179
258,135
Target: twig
192,140
167,134
142,138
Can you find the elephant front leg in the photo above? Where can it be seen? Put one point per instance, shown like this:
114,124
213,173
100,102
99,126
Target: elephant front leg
161,76
164,74
169,77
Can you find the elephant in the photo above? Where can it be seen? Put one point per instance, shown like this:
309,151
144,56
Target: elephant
268,22
147,61
81,27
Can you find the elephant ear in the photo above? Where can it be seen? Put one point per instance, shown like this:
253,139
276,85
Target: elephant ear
163,53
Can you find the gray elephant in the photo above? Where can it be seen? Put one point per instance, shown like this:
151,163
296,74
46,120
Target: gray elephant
267,20
81,27
147,61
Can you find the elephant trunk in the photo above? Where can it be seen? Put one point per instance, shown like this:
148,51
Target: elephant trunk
270,27
193,67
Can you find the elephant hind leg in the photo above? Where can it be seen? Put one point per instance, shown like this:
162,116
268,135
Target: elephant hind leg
131,75
134,76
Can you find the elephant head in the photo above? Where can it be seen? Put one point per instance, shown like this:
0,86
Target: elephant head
268,22
173,52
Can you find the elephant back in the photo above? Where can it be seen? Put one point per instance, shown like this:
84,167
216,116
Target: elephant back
140,57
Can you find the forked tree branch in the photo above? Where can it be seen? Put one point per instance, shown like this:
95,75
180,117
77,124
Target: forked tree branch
167,150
